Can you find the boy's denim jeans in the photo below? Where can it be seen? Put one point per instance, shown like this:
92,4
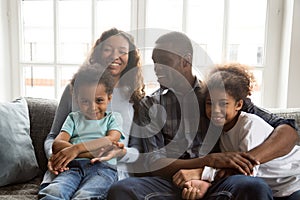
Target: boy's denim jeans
82,181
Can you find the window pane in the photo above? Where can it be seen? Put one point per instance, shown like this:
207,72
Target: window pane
205,25
39,81
256,94
113,13
164,14
74,21
37,27
150,78
66,74
246,31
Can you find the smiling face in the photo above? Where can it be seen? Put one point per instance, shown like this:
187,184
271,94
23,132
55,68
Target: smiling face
167,66
93,100
114,54
222,109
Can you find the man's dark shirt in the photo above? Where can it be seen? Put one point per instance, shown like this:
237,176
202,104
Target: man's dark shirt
172,125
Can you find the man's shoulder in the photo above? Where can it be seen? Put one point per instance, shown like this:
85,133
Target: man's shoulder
152,98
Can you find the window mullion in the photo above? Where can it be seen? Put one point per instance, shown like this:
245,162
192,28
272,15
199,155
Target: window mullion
184,15
134,14
140,25
93,21
225,30
56,32
15,32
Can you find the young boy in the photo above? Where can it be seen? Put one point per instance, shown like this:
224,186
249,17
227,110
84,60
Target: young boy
227,87
82,137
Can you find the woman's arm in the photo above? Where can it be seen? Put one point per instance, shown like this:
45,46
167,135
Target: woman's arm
66,151
94,145
63,109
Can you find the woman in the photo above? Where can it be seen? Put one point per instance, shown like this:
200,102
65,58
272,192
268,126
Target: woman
115,50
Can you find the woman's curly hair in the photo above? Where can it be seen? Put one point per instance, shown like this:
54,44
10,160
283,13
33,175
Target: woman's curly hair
134,80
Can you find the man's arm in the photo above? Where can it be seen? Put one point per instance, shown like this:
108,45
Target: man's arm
280,142
242,162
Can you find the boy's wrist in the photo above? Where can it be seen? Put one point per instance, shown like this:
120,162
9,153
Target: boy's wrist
208,174
78,148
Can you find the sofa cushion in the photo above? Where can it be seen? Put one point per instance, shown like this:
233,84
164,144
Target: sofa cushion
41,113
289,113
17,156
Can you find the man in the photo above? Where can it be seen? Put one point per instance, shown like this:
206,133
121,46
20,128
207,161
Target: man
173,130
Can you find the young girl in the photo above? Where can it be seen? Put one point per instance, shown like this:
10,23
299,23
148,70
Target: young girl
85,132
227,87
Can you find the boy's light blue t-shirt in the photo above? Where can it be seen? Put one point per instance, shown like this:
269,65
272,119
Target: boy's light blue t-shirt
82,130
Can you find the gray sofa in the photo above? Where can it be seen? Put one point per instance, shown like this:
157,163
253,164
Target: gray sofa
41,113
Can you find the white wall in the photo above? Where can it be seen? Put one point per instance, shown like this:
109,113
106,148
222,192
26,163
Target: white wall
289,70
293,93
5,65
272,55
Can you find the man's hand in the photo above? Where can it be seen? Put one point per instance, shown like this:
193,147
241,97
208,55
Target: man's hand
184,175
115,150
240,161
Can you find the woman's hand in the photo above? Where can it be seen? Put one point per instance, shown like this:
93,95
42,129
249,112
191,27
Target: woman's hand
116,150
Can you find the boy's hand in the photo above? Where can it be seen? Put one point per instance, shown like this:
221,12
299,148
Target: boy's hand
61,159
114,151
50,168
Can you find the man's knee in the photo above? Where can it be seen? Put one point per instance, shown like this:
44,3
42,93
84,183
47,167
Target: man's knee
247,187
248,183
122,189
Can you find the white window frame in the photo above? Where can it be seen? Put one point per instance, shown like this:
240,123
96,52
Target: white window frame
271,53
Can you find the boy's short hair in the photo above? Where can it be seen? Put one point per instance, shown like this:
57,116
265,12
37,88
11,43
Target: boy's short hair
89,74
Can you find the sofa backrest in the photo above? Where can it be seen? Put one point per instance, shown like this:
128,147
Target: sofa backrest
41,114
290,113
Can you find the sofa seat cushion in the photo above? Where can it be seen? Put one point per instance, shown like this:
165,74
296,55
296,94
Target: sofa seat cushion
22,191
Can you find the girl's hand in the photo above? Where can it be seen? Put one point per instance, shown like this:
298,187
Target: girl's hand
184,175
195,189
